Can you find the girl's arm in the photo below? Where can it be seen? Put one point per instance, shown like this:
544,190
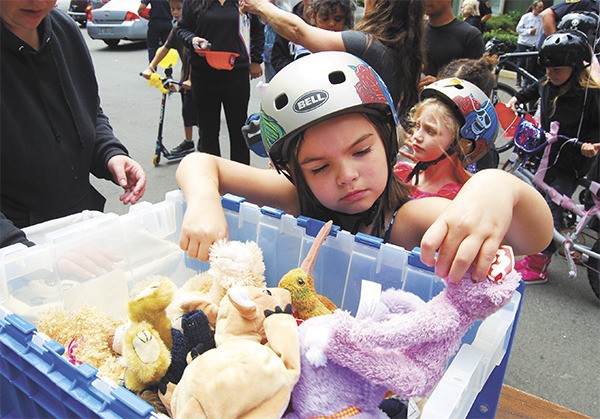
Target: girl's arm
492,208
203,178
294,28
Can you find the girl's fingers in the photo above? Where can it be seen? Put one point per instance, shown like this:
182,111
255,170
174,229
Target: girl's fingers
432,240
487,255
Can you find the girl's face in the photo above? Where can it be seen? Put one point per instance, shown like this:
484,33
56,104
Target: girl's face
330,20
23,16
344,163
431,137
558,75
176,9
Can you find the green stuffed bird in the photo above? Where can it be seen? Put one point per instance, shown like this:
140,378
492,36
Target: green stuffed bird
300,283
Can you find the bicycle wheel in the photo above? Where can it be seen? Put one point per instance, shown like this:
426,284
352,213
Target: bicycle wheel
592,271
504,93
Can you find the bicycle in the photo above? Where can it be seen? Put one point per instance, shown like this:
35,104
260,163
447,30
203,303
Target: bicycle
576,239
502,92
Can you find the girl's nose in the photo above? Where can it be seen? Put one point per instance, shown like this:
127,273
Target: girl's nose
346,174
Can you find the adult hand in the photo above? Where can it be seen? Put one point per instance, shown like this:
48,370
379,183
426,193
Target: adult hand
426,81
251,6
128,174
255,71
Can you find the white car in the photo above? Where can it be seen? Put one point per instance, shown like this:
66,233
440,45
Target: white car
116,20
62,5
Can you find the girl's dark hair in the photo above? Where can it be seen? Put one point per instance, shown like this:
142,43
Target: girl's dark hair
346,6
399,24
479,71
200,6
395,194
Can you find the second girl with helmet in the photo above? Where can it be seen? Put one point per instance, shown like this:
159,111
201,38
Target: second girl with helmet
328,123
569,95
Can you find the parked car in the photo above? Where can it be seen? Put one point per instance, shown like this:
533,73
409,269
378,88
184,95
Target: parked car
80,9
116,20
62,5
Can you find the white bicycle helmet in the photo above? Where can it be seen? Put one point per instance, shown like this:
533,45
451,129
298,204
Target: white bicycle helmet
477,116
318,87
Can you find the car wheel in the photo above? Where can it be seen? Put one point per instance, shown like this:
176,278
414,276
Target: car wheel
112,43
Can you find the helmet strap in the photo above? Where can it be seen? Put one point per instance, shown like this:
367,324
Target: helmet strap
423,165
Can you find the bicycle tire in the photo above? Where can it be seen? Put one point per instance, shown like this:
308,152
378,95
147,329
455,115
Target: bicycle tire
592,271
504,93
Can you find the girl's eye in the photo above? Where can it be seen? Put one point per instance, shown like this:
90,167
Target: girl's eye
318,169
363,151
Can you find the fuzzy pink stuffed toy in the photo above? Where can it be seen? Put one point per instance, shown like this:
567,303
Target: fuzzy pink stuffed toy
347,365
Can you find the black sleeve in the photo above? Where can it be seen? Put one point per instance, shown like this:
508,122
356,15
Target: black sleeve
529,93
187,24
9,234
257,40
280,55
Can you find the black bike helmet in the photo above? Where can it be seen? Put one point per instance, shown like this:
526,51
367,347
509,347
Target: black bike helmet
584,21
565,48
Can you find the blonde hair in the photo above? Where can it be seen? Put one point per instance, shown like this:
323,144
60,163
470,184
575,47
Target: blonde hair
470,7
442,115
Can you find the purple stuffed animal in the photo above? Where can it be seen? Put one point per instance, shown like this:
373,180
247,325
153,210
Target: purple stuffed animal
347,365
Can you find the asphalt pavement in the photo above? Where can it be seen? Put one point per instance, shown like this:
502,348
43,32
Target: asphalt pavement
556,351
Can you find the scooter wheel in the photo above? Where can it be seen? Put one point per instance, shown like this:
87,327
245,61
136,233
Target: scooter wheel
156,159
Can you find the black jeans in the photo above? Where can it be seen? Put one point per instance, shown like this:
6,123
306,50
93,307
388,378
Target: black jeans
231,89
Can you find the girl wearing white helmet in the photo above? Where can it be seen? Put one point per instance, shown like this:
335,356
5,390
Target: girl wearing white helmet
453,127
570,96
387,37
329,125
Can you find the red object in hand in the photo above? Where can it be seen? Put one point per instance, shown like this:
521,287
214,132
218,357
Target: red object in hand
219,60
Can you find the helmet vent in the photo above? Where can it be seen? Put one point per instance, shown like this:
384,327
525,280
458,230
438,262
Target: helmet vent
281,101
337,77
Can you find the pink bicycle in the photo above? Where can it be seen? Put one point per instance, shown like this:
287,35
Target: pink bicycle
580,240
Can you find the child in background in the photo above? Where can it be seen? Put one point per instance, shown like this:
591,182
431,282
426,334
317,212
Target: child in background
452,127
331,15
188,110
329,125
570,96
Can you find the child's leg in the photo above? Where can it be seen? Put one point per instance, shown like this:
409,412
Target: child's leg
188,112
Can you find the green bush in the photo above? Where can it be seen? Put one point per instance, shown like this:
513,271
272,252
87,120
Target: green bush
506,22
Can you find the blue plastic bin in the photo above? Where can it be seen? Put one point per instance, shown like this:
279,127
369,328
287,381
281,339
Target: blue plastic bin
36,381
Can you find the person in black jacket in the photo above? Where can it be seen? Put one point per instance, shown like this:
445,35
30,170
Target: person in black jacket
568,95
220,23
53,132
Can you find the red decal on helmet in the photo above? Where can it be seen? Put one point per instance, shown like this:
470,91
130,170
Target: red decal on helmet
368,88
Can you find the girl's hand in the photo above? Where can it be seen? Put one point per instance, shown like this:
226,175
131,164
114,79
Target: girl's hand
128,174
148,71
201,227
590,150
492,208
512,103
468,232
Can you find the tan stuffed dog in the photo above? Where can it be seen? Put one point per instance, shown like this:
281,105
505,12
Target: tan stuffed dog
255,365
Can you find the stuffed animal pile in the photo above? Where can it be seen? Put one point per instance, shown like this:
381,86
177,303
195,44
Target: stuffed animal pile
225,346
